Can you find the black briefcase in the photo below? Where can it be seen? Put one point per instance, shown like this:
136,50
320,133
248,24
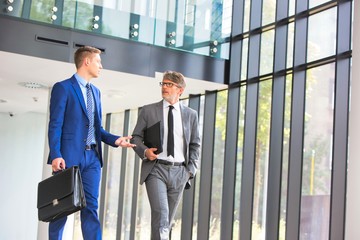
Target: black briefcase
60,195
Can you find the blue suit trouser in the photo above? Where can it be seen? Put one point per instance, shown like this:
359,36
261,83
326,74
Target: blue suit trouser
90,170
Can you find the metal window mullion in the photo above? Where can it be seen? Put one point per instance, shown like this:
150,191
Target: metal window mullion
250,129
207,158
297,127
230,159
248,166
104,176
135,192
122,179
341,118
277,127
189,195
236,45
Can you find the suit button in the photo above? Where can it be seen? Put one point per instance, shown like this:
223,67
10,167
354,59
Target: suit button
85,140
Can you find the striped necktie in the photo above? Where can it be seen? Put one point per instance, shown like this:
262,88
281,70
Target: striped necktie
89,109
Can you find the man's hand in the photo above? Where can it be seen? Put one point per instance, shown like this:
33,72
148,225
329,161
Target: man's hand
150,154
124,142
58,164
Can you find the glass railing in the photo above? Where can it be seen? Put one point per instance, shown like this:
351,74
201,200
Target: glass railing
201,28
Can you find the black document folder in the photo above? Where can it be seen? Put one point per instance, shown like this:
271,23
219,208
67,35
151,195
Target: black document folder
152,137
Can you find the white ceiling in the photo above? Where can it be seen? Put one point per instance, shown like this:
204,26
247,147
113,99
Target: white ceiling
120,91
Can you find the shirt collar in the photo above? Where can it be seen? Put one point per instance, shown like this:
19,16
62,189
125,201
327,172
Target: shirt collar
176,105
80,80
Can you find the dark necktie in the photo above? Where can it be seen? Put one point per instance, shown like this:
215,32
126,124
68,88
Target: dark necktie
89,109
170,142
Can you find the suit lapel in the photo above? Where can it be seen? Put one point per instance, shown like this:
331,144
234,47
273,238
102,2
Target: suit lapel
159,116
79,94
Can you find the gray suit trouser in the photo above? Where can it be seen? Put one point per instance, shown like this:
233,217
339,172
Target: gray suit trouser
164,185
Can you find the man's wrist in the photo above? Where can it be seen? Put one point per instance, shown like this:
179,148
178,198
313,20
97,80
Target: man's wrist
145,153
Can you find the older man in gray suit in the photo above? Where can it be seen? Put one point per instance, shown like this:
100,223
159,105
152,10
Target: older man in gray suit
169,163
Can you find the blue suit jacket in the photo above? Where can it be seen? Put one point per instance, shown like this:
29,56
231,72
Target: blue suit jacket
69,124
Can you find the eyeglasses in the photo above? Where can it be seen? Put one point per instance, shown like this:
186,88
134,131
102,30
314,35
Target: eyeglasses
167,84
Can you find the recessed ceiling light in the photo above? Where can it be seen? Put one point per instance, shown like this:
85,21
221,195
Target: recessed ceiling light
2,101
32,85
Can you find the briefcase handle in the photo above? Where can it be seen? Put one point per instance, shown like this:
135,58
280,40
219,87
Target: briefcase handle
57,172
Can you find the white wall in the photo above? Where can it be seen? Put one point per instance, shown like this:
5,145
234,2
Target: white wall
352,231
22,144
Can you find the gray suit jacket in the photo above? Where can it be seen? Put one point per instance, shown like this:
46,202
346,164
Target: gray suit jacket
153,113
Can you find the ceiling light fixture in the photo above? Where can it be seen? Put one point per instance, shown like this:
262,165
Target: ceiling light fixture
2,101
32,85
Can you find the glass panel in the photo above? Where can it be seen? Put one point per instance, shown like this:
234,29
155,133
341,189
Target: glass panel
290,46
244,58
197,177
113,181
217,179
292,7
111,20
129,183
196,23
314,3
226,18
84,16
143,215
322,40
247,15
37,12
240,144
268,12
285,156
267,52
69,13
317,158
261,160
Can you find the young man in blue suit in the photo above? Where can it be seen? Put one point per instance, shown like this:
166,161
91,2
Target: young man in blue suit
75,135
166,173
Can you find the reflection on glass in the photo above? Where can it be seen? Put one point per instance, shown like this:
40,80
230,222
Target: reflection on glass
290,46
115,23
291,7
113,181
198,174
322,40
143,215
218,165
317,157
69,13
261,160
268,12
247,15
129,184
240,144
84,16
267,52
314,3
285,157
244,58
195,23
41,10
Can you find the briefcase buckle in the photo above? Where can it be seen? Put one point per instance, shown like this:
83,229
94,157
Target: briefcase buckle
55,202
